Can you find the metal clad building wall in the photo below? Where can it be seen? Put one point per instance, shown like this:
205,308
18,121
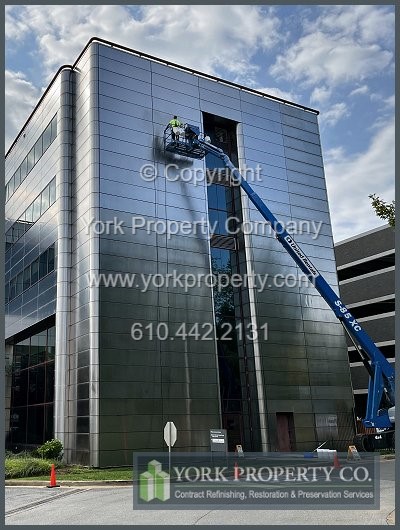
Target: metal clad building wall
305,368
147,382
83,393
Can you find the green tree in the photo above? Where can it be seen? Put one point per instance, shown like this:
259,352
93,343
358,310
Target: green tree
384,210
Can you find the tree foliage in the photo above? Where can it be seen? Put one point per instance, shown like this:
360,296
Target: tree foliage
384,210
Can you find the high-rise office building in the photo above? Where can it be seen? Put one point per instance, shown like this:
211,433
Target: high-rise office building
103,367
366,272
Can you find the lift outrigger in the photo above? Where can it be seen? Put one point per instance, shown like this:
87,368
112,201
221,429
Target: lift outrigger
381,388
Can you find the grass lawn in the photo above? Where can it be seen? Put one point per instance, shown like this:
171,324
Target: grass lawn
81,473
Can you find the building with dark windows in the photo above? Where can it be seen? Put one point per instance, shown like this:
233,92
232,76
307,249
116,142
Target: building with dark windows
101,364
366,272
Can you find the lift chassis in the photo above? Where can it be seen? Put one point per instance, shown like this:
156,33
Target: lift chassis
381,387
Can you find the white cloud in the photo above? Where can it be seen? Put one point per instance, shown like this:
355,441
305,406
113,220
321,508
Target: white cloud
330,117
283,94
364,89
20,98
366,23
343,44
320,95
350,179
203,37
319,57
15,28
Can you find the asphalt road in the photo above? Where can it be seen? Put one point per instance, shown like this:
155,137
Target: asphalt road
112,505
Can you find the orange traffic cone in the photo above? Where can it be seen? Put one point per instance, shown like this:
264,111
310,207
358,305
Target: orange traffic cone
336,463
53,482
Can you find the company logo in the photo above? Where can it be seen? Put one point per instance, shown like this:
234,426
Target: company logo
154,483
306,262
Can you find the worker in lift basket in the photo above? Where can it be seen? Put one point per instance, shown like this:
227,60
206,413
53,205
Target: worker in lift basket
175,125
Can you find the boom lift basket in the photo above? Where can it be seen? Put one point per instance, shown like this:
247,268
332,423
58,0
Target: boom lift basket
185,145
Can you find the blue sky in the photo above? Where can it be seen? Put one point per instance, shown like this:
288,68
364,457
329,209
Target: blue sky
337,59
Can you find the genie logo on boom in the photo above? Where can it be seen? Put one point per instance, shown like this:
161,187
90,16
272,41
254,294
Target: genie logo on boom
256,480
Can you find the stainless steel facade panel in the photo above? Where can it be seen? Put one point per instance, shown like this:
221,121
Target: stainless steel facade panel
124,81
131,71
220,110
298,113
254,109
300,134
124,94
123,57
112,107
220,99
174,85
303,156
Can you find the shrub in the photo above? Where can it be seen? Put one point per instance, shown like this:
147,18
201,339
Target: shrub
26,467
51,449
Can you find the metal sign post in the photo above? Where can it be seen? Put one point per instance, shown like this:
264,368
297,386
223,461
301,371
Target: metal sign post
170,434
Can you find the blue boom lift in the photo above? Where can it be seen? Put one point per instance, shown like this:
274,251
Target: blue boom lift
381,389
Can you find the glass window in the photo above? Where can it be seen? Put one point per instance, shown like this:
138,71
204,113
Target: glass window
17,178
49,396
212,196
47,137
213,219
52,187
20,283
11,185
35,425
7,192
222,195
24,169
36,209
45,199
49,421
29,214
222,223
19,387
13,287
31,160
6,292
51,342
22,348
38,149
41,339
33,357
43,259
19,229
53,129
214,162
50,257
18,424
27,277
34,271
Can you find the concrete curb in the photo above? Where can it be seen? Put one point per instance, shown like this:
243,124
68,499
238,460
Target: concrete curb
64,483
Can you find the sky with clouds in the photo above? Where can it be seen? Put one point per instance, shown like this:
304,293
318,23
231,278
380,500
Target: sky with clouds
337,59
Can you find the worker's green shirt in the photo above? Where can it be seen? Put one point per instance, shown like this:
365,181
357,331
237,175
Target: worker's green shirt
175,123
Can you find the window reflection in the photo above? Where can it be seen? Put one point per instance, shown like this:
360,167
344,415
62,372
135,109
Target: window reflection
31,274
32,214
45,140
32,391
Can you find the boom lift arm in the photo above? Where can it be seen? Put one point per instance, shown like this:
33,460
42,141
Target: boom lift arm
382,376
